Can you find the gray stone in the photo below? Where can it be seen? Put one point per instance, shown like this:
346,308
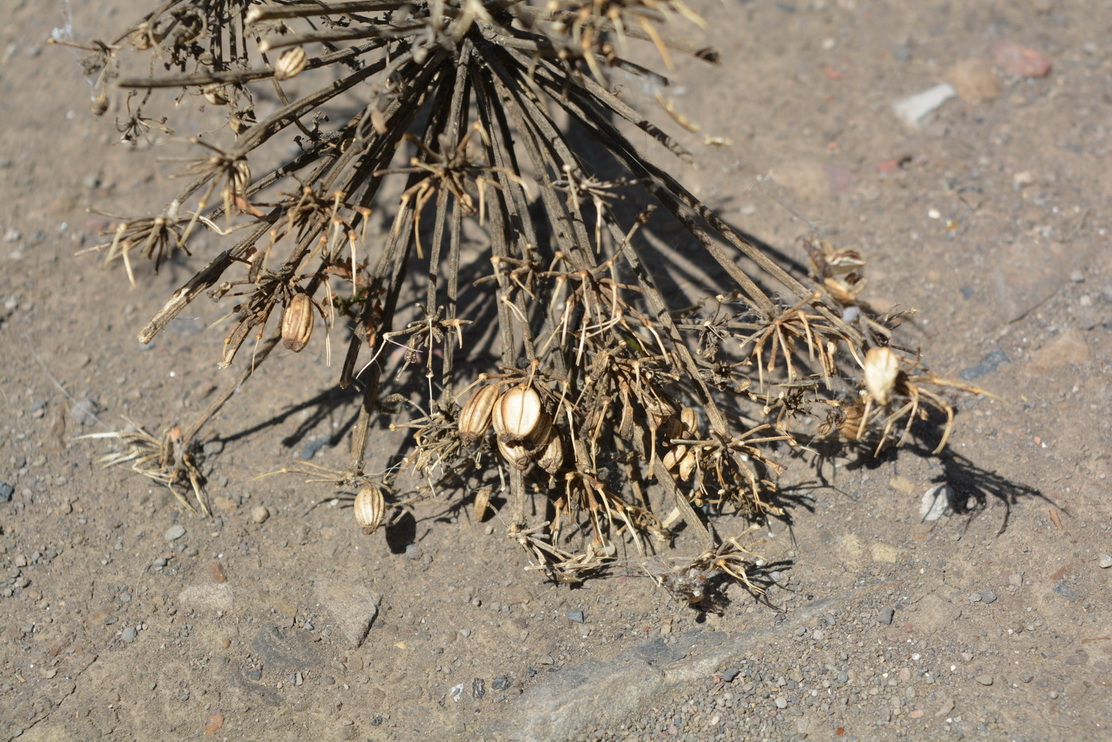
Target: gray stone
1105,561
576,616
885,615
352,605
985,366
6,492
128,635
984,679
84,411
988,595
174,532
260,514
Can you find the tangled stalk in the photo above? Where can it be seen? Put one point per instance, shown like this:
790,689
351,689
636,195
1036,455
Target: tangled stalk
614,415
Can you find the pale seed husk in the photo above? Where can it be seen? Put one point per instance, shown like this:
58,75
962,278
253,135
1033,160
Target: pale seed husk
291,63
474,418
370,508
517,414
297,323
482,502
882,366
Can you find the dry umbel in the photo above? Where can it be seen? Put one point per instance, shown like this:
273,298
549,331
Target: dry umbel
591,375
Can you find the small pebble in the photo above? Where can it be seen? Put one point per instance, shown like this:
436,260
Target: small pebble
128,635
1105,561
988,595
260,513
729,674
84,411
500,683
6,492
781,702
885,615
984,679
1020,60
576,616
174,532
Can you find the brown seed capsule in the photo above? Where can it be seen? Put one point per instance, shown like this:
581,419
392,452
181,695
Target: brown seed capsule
370,508
517,414
474,418
881,369
297,322
291,63
552,457
515,453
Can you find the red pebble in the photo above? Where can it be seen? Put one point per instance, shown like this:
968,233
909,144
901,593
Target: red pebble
1020,60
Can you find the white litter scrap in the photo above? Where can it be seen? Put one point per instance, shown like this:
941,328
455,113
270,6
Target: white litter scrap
913,109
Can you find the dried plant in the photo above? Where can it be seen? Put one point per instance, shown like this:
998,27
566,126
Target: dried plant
616,413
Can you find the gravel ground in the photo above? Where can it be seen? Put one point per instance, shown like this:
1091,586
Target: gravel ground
984,616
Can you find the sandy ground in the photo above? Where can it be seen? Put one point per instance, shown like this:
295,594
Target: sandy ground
124,617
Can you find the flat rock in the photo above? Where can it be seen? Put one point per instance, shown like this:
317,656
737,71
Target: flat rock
1025,274
212,598
600,694
812,178
353,606
1063,349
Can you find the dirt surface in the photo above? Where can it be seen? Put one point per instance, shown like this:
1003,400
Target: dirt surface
124,617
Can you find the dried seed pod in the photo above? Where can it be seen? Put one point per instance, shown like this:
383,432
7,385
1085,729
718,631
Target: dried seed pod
100,104
370,508
851,425
671,428
515,453
474,418
215,94
297,322
291,63
687,465
690,420
882,366
552,457
673,456
542,431
517,414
